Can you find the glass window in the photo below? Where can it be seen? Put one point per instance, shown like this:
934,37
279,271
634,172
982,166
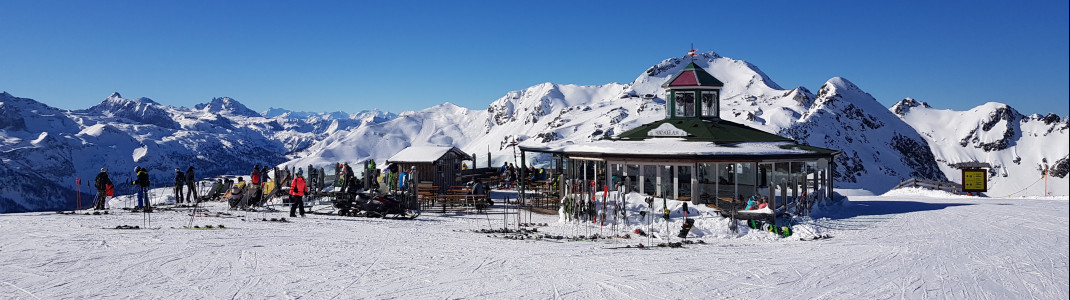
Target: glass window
710,108
650,175
726,187
616,176
707,182
600,173
685,104
781,176
683,182
632,178
746,179
667,185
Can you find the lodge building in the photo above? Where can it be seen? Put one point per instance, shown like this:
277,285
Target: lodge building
694,155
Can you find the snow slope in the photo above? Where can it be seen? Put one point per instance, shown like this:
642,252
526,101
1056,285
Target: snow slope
904,246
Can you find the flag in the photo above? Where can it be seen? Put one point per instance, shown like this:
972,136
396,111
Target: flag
692,52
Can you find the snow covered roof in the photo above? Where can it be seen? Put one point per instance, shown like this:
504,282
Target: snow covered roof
425,154
693,76
717,131
680,148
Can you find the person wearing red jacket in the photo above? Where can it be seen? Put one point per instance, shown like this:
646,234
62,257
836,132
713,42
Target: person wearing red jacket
297,192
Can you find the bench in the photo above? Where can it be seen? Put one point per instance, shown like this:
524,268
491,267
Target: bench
426,195
462,201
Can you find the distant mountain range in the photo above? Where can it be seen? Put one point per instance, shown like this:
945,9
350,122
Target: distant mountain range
44,148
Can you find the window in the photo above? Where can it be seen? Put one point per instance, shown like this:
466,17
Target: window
710,107
632,179
707,182
667,186
685,104
650,175
616,175
683,181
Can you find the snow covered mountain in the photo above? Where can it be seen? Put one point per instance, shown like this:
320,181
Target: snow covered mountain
227,106
1018,147
880,150
45,149
49,147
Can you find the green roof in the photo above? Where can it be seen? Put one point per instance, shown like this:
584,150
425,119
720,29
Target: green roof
692,76
719,132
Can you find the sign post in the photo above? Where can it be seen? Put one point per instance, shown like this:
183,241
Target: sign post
974,180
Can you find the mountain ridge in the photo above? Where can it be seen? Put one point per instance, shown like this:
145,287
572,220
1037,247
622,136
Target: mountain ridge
880,145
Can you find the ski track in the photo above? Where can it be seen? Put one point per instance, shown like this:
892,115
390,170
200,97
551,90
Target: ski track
952,248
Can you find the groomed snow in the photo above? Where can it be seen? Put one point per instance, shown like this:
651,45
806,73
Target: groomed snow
909,246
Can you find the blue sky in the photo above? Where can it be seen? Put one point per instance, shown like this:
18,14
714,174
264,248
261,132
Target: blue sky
409,55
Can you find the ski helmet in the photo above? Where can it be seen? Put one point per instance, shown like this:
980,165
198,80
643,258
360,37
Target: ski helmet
104,170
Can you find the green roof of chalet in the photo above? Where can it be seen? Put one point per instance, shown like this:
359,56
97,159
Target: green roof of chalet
720,132
692,76
717,131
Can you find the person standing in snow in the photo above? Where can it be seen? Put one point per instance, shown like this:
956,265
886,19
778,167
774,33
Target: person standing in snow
102,183
180,179
297,193
349,182
191,183
254,185
142,185
264,176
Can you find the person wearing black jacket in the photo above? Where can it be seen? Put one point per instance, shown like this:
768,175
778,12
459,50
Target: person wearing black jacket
180,179
102,183
142,185
191,183
349,182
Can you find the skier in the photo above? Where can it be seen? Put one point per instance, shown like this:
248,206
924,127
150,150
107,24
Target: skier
142,185
180,179
103,184
297,192
191,183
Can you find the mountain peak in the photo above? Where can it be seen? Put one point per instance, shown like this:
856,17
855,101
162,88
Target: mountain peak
903,106
226,105
115,95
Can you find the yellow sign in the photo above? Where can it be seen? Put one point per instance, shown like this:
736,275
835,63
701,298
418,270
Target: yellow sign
974,180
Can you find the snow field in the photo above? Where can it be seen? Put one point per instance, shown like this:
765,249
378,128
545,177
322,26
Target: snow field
904,246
